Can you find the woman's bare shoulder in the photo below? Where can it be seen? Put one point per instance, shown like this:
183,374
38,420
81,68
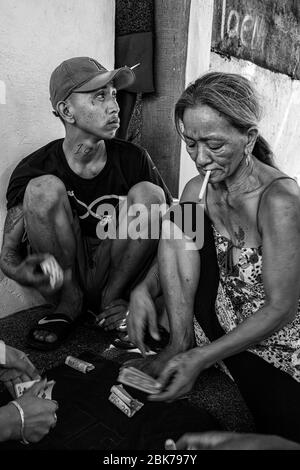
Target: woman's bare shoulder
280,200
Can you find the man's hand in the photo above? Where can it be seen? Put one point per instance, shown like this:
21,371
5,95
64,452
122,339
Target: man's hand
142,315
112,315
29,272
16,369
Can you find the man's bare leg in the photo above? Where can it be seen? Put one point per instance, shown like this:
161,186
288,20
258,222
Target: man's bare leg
48,221
129,256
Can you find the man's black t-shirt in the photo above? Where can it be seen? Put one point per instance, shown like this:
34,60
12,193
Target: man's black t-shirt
127,164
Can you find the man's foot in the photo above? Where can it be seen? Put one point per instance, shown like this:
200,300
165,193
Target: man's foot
66,312
50,331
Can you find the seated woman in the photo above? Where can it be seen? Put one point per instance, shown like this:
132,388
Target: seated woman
28,418
254,210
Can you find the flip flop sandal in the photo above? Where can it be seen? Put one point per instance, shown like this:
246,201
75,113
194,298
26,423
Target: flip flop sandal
120,340
58,324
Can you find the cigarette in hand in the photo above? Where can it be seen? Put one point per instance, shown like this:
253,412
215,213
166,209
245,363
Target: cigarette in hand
204,184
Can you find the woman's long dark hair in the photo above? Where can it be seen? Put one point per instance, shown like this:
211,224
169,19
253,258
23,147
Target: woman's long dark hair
234,97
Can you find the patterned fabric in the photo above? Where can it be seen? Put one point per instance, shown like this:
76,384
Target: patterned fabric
241,294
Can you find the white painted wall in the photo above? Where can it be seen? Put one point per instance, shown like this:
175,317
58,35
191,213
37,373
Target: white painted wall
280,96
197,63
35,36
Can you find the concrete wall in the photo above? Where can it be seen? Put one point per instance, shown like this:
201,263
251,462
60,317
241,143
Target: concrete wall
265,32
158,133
280,95
197,63
35,36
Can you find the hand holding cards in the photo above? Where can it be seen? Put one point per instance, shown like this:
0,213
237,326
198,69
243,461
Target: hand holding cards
137,379
46,393
56,275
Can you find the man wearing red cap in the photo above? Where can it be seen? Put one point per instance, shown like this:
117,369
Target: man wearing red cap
65,199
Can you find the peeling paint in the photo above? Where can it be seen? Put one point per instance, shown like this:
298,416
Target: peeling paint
264,32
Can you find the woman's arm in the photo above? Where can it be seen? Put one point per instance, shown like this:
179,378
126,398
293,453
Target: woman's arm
279,221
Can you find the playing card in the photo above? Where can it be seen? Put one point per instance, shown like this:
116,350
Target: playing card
21,388
143,378
124,401
51,267
120,391
139,373
135,384
113,398
47,392
141,382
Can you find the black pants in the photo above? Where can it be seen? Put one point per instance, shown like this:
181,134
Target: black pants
272,396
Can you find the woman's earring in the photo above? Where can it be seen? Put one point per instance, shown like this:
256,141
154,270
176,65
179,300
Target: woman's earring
248,159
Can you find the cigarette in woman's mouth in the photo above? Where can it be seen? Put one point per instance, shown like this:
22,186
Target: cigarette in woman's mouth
204,184
135,66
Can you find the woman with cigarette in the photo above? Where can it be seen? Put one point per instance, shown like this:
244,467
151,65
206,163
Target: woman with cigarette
254,211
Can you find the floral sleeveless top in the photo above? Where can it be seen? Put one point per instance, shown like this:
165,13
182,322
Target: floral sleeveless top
240,295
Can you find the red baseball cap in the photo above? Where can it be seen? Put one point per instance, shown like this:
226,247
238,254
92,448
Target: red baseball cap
83,74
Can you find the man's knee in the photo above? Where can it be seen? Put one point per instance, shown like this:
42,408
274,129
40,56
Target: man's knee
43,193
146,193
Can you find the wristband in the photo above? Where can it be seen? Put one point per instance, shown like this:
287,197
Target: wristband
22,416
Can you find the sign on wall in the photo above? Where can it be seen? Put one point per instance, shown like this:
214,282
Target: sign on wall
265,32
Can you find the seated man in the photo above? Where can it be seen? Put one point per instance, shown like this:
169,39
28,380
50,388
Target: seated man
74,199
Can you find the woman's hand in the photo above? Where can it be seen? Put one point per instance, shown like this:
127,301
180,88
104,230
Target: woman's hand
39,415
180,374
142,315
154,364
16,369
